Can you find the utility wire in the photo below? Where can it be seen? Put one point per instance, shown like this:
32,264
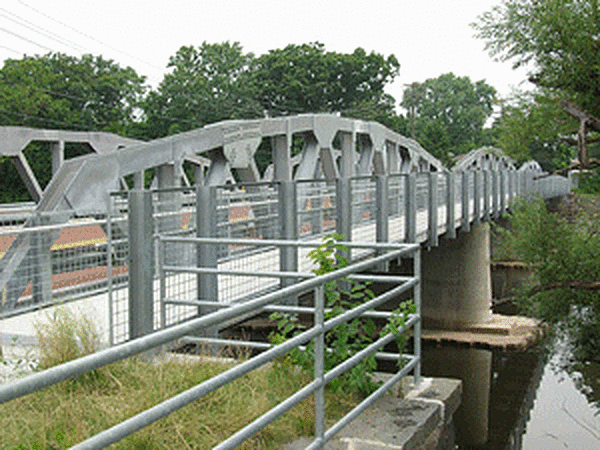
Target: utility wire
89,37
25,39
69,125
37,29
11,50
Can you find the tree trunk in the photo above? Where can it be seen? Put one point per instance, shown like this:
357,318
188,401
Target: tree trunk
585,120
582,150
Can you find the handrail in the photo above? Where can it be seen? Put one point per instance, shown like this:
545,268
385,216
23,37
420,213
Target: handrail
88,363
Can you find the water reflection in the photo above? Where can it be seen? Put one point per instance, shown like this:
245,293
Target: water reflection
520,400
499,389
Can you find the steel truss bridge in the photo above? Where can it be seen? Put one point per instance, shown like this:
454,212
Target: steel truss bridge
207,246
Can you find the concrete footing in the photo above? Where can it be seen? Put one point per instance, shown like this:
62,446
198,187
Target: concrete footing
504,332
422,419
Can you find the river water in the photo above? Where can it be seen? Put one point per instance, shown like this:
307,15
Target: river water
520,400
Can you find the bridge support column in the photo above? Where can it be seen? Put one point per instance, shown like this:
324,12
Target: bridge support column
457,290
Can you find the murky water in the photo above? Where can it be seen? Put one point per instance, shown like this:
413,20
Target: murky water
520,400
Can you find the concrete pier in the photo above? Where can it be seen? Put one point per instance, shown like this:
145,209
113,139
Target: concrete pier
457,288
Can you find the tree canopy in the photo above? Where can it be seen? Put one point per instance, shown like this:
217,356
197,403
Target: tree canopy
307,78
558,38
532,126
61,91
558,41
207,84
447,114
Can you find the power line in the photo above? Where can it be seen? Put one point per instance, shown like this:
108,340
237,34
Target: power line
69,125
37,29
25,39
10,49
88,36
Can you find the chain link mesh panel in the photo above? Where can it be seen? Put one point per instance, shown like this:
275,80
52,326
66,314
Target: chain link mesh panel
396,208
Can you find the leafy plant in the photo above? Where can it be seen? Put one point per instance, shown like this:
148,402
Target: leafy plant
348,338
563,253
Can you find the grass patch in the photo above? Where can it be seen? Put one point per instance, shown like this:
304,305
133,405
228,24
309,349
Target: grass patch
65,414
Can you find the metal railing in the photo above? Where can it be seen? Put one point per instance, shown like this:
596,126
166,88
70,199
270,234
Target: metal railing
43,262
310,283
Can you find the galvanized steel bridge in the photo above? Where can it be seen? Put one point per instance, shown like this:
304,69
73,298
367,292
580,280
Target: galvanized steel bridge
196,254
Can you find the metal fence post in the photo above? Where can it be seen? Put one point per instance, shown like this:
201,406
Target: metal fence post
451,206
319,368
486,195
343,206
495,209
206,254
478,194
141,262
433,210
418,324
502,189
109,266
466,220
382,214
288,224
411,207
511,188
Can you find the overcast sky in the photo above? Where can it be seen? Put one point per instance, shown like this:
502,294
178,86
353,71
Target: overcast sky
428,37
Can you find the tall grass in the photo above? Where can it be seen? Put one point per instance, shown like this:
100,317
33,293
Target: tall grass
70,412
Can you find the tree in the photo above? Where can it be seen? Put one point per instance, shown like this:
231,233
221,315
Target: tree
58,91
66,92
307,78
447,114
207,84
533,126
558,39
563,252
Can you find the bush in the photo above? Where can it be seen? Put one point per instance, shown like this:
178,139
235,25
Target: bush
564,254
348,338
589,182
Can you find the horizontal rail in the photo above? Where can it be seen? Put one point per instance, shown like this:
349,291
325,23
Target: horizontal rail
48,377
264,274
266,346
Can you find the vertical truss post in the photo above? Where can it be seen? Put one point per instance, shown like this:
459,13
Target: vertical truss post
433,210
451,206
141,261
58,155
466,222
411,207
